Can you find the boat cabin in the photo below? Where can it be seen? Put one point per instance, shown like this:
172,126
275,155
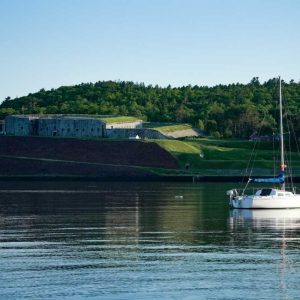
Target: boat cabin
272,192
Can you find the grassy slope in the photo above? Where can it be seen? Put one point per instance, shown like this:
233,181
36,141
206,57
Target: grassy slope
122,119
225,157
173,128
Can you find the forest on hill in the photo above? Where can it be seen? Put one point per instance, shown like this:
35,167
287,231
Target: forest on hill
234,110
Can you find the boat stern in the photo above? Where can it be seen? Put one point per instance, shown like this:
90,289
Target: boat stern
241,202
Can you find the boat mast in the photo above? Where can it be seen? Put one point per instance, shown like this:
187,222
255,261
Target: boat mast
282,164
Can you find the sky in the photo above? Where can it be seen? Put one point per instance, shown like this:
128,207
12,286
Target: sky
50,43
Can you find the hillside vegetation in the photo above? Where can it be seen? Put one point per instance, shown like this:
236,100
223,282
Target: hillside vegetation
227,157
234,110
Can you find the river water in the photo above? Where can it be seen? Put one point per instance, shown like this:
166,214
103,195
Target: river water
79,240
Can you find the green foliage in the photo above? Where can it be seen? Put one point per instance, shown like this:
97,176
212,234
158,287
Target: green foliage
200,124
235,110
6,112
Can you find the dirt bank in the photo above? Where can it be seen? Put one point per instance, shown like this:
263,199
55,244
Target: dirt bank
12,167
131,153
63,157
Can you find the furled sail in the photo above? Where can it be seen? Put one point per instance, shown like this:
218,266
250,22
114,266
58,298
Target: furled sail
277,179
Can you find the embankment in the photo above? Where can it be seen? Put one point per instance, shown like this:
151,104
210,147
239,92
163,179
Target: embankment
66,157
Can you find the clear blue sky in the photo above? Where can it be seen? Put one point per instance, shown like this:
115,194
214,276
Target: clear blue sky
49,43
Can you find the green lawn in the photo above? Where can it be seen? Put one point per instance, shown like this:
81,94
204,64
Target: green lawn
121,119
173,128
225,157
167,127
175,146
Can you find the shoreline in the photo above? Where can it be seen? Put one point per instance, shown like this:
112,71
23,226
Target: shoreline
186,178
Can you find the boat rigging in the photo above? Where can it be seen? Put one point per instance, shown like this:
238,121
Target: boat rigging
268,197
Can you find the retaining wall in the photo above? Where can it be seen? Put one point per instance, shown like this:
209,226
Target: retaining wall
121,133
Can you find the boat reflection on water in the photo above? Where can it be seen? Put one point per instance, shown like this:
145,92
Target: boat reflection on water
278,233
276,219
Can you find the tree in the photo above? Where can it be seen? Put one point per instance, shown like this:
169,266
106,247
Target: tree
231,110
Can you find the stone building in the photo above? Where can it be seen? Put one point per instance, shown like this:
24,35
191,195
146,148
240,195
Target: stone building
20,125
84,126
69,126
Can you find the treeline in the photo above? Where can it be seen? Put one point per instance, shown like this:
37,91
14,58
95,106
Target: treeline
234,110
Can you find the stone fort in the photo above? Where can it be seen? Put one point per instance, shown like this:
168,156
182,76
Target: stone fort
81,126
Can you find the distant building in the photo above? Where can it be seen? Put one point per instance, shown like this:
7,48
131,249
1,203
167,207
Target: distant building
67,125
20,125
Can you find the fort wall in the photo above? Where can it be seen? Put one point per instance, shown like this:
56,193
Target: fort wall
77,126
70,127
132,133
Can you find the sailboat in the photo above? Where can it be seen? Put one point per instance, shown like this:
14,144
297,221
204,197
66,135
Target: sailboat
269,198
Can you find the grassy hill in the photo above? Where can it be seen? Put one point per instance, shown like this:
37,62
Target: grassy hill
226,157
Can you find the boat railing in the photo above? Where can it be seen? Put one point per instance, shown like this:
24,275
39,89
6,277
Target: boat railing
248,191
253,190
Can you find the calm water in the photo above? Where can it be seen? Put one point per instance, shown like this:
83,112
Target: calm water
143,241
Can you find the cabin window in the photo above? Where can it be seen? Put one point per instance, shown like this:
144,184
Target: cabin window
92,129
280,194
265,192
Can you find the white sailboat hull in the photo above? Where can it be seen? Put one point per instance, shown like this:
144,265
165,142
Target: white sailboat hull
291,201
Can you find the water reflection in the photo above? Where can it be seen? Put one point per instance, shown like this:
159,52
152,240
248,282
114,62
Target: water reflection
142,241
273,228
277,219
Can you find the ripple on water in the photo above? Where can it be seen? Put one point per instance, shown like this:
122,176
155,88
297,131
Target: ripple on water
138,242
